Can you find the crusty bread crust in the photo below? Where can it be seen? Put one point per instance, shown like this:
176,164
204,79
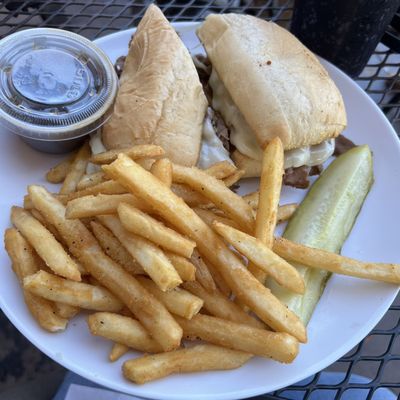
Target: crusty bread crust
160,100
278,85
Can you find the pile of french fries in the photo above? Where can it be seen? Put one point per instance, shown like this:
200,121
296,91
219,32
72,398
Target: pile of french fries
161,253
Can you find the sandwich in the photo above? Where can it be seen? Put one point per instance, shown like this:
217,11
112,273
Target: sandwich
257,82
264,83
160,99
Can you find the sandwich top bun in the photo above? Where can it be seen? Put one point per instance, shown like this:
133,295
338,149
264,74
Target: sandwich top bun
160,99
278,85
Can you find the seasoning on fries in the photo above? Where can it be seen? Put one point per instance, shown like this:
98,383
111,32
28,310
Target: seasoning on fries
152,246
152,259
262,257
78,294
153,315
134,152
258,298
76,170
203,357
141,224
272,170
279,346
45,244
123,330
25,263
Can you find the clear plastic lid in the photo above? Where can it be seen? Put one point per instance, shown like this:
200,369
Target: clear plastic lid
54,84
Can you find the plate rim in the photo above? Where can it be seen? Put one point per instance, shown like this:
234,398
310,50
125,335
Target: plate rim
244,393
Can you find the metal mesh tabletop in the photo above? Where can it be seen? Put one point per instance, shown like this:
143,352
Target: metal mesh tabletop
372,367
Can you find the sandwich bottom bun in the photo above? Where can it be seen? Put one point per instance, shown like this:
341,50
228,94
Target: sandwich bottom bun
250,166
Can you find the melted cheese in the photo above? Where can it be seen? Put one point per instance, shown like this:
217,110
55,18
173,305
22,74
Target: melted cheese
243,138
212,149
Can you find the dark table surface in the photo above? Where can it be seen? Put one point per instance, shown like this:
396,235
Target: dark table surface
377,357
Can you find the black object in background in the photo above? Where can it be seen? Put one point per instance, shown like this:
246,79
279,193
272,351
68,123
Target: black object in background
391,38
345,32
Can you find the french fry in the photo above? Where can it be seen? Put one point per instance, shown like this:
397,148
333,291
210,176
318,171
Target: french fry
221,169
150,312
45,244
36,214
149,256
276,345
214,210
25,262
77,294
76,170
272,171
176,212
252,199
58,173
234,178
215,190
185,269
89,180
322,259
65,310
178,301
107,187
264,258
203,357
162,169
28,205
146,163
203,275
144,225
220,306
117,351
269,192
123,330
219,281
93,205
286,211
209,217
134,152
81,268
114,249
189,196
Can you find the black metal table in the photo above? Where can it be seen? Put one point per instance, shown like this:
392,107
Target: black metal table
377,357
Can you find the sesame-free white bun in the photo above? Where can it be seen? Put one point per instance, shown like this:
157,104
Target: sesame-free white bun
160,99
279,86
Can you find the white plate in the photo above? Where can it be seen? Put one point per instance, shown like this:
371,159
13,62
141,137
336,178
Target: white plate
347,311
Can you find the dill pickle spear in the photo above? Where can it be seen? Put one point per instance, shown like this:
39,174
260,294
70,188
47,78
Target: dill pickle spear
324,220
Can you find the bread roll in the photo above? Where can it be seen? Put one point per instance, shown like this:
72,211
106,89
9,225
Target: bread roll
278,85
160,100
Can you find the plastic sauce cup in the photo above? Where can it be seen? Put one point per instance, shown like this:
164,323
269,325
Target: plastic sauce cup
55,88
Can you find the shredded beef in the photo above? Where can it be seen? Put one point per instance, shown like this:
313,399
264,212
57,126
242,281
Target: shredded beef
297,177
316,170
342,144
221,129
119,65
203,67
